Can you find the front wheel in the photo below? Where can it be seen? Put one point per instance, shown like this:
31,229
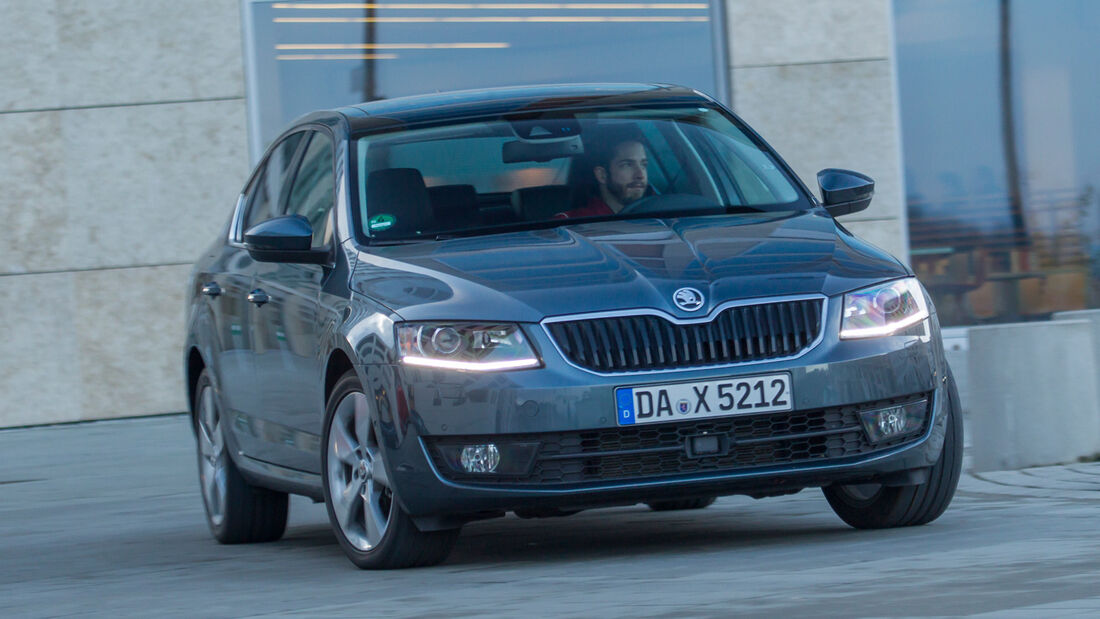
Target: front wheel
874,506
371,527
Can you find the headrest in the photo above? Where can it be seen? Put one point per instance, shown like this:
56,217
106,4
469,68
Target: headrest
542,202
400,192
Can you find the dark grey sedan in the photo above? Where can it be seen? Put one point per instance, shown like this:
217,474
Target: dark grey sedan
437,309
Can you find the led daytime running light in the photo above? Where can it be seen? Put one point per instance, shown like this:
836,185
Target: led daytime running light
885,329
484,366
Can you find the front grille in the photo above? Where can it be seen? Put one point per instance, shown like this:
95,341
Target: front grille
657,450
745,333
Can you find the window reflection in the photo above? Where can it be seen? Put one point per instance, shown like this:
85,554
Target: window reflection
311,55
1001,136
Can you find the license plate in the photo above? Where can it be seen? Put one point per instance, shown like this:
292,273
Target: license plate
700,400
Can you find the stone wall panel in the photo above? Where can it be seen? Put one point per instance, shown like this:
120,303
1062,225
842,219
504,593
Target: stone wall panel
130,329
76,53
40,367
776,32
118,186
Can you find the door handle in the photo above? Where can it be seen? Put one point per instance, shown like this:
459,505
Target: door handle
259,297
212,289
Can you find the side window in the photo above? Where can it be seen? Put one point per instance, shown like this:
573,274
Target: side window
756,178
663,166
314,188
263,201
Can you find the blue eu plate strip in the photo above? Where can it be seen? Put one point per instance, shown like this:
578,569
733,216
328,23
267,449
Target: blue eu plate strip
624,398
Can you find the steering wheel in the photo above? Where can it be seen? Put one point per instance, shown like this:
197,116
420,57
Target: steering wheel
667,202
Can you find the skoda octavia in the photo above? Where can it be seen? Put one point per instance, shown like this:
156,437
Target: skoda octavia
432,310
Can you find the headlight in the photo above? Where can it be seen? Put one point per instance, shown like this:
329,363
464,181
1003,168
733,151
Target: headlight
465,346
883,309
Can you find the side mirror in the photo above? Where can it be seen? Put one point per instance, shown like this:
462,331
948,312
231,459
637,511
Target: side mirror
844,191
283,239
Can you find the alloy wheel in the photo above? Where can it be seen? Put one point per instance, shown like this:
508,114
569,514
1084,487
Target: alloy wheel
212,456
359,487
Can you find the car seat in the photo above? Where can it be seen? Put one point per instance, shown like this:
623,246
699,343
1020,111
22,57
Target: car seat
541,202
454,206
400,192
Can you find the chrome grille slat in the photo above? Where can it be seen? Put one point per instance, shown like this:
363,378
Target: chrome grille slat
744,333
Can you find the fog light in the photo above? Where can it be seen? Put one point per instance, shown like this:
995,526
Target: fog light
480,458
498,458
886,423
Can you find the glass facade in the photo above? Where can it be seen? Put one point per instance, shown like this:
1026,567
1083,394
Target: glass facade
1001,140
303,56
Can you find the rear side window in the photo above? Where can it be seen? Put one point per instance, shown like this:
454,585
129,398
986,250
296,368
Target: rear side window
314,188
267,190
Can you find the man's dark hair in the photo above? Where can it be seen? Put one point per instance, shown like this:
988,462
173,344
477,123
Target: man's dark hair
603,143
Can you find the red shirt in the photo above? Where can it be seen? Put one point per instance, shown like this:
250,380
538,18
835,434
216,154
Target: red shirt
595,207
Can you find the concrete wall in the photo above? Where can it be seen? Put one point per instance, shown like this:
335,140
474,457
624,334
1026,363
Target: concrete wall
1093,318
123,127
1033,391
816,78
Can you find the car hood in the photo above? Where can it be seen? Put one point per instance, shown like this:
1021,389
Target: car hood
602,266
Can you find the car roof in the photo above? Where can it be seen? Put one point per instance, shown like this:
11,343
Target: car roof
494,101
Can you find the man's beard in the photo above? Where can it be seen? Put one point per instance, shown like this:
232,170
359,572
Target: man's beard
620,193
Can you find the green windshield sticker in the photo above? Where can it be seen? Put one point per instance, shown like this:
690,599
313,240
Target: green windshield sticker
381,222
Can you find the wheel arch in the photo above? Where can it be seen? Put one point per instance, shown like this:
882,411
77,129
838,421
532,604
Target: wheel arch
338,364
195,365
200,352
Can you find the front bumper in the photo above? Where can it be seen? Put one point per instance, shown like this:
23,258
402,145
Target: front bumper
560,407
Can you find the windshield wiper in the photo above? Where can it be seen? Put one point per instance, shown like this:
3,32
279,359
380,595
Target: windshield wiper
388,242
516,226
744,208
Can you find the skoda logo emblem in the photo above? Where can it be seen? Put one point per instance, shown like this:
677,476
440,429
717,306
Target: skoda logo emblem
688,299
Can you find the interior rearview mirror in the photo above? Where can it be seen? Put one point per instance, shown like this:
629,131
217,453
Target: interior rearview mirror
845,191
518,151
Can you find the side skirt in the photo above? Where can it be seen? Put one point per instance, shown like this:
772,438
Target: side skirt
281,478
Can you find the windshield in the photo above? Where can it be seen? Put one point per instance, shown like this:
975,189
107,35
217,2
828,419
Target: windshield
562,167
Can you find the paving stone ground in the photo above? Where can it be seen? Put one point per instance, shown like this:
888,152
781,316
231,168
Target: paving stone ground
105,519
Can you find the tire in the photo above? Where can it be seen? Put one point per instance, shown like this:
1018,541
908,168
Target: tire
872,506
669,506
236,511
369,523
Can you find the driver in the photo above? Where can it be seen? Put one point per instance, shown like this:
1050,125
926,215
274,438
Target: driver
621,178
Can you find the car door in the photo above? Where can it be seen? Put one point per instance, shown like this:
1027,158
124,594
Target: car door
240,393
226,288
224,282
289,367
